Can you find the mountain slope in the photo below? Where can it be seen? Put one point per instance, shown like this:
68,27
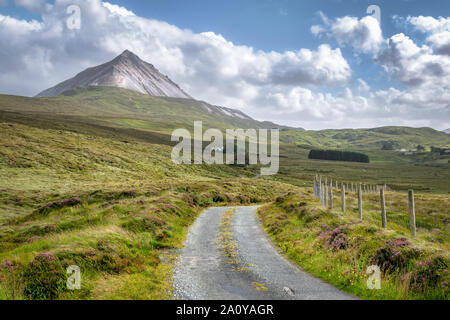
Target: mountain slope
447,131
130,109
125,71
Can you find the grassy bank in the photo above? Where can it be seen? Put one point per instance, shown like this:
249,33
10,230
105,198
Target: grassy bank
339,248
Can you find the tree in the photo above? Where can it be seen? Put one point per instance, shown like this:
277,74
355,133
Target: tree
336,155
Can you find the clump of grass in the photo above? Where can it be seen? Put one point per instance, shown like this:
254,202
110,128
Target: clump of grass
71,202
44,278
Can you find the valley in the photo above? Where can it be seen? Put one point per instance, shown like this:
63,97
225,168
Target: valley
86,179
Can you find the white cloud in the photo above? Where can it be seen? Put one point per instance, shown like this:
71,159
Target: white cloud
363,34
414,65
438,31
197,61
113,8
278,86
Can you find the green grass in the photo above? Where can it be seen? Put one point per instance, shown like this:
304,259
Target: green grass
136,206
304,231
432,176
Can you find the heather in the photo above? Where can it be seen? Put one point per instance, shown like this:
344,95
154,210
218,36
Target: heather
339,247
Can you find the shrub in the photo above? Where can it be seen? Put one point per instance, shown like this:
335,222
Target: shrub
336,239
10,279
71,202
395,255
43,278
128,194
144,224
103,259
431,273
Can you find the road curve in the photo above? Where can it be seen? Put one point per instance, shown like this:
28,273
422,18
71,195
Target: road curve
256,270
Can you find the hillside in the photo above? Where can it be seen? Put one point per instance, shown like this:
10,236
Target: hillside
126,116
129,109
370,139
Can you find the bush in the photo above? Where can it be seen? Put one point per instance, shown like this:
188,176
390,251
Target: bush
144,224
104,260
44,278
395,255
431,273
71,202
336,239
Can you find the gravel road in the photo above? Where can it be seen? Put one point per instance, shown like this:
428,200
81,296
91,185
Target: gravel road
255,270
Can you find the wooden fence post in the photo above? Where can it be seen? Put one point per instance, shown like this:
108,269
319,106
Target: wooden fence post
360,209
331,195
383,209
412,213
343,198
322,189
326,195
315,186
321,194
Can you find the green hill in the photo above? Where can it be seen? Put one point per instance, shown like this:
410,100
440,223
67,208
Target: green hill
124,108
370,139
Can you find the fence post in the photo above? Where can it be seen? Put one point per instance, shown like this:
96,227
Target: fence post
383,209
331,195
326,194
320,194
343,198
412,213
315,186
360,209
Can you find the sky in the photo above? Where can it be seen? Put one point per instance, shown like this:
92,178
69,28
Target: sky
312,64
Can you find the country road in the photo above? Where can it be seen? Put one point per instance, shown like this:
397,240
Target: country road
227,256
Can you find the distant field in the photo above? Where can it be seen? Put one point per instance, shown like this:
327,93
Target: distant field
427,173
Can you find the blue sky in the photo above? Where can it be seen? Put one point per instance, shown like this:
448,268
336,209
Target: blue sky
368,69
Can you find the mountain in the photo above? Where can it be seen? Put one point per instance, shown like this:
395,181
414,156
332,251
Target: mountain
128,71
127,108
447,131
125,71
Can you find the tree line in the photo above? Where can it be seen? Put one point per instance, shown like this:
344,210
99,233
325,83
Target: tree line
335,155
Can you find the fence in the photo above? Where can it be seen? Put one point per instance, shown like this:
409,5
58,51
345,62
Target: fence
324,191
